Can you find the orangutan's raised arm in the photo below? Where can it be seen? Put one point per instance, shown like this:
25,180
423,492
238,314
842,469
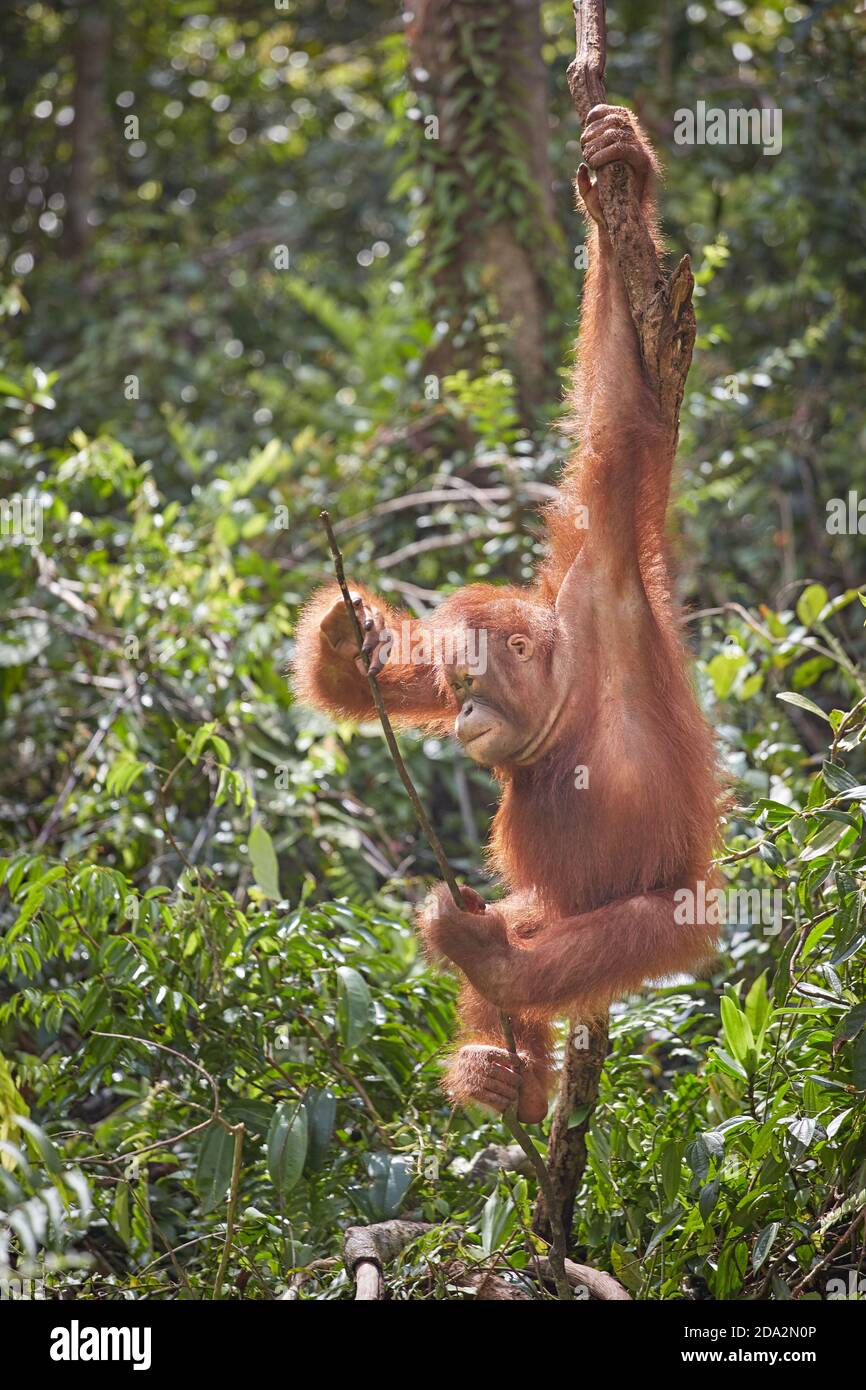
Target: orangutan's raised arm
328,673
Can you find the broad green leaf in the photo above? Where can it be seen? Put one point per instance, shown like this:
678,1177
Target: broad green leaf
848,950
391,1176
321,1117
803,1131
709,1197
750,686
764,1244
808,673
792,698
354,1006
214,1170
837,778
837,1122
140,1219
852,1024
757,1009
723,671
47,1152
76,1181
627,1267
264,861
12,1104
858,1062
810,603
287,1146
729,1063
823,842
195,746
738,1033
8,387
497,1219
667,1224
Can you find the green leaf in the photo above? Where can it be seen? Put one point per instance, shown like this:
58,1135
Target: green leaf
709,1197
837,1122
698,1158
852,1024
195,746
757,1009
803,1131
836,778
751,686
214,1170
8,387
391,1176
497,1218
140,1221
46,1150
667,1223
287,1146
729,1064
723,671
124,771
808,673
738,1033
858,1062
823,842
264,861
321,1118
810,603
764,1244
792,698
354,1006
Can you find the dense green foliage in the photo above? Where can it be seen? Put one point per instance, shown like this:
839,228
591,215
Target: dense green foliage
206,950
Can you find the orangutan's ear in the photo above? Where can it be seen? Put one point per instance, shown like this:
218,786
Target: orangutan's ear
521,645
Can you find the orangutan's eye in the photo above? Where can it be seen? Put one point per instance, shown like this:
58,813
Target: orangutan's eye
520,645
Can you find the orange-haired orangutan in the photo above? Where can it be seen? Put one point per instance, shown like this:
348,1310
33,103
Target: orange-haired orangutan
585,713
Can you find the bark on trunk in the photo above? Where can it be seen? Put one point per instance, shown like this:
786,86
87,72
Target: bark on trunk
576,1096
90,56
490,207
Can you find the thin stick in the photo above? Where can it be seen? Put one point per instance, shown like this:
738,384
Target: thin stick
423,819
545,1182
512,1124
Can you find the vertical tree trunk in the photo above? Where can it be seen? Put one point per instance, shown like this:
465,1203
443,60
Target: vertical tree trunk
90,56
488,210
577,1092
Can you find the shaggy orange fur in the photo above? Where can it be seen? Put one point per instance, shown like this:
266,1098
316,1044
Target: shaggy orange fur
589,871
